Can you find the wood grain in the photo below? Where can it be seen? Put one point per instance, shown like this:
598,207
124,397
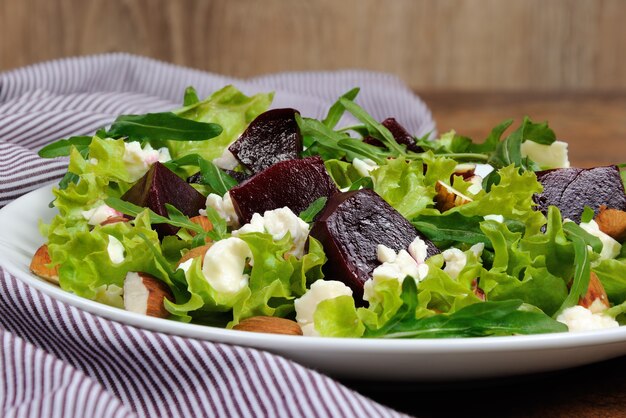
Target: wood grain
431,44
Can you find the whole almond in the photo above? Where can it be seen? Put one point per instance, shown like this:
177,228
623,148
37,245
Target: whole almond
447,197
193,253
39,265
269,325
145,294
203,221
595,291
612,222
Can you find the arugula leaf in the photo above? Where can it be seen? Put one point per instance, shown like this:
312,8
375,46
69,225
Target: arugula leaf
582,272
191,97
573,229
587,215
362,183
309,214
453,227
375,128
215,178
162,126
68,179
177,218
491,142
219,230
62,147
337,109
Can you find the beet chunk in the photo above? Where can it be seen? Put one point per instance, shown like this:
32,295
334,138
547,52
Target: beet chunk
571,189
401,135
352,226
294,183
272,137
160,186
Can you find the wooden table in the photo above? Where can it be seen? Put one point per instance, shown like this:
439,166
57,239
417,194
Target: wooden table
595,126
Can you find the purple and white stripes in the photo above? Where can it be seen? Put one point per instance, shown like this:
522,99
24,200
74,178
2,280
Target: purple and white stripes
59,361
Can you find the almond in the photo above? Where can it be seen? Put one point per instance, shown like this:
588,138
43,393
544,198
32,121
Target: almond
480,294
447,197
203,221
269,325
145,294
40,265
464,170
114,220
193,253
612,222
595,293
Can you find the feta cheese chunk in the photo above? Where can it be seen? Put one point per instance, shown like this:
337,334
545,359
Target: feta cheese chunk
547,156
224,208
610,247
226,161
455,261
418,250
277,223
224,263
185,266
364,167
116,250
99,214
396,266
307,304
138,160
578,318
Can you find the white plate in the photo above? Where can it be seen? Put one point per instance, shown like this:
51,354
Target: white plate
425,360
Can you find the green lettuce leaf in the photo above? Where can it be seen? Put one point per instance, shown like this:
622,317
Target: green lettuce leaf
229,108
338,317
612,274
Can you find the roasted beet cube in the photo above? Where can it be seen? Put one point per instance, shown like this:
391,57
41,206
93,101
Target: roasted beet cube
571,189
352,226
401,135
160,186
272,137
294,183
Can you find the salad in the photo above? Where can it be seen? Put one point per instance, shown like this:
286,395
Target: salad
228,214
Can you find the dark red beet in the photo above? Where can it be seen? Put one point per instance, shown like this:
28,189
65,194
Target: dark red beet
160,186
401,135
272,137
571,189
352,226
294,183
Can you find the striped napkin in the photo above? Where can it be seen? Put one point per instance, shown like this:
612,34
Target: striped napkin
57,360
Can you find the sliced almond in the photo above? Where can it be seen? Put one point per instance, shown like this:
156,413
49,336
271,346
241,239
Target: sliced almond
612,222
40,265
145,294
203,221
193,253
114,220
448,197
269,325
595,296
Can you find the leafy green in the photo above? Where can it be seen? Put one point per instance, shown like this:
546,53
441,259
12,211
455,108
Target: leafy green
309,214
335,112
215,178
62,147
479,319
612,274
161,126
191,97
338,317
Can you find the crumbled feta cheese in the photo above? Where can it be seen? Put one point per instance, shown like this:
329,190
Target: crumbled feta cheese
224,208
224,263
277,223
610,247
547,156
455,261
364,166
477,249
476,186
138,160
395,266
418,250
185,266
598,306
307,304
497,218
226,161
578,318
116,250
99,214
483,170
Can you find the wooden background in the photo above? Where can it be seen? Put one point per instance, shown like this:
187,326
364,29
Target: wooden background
542,45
